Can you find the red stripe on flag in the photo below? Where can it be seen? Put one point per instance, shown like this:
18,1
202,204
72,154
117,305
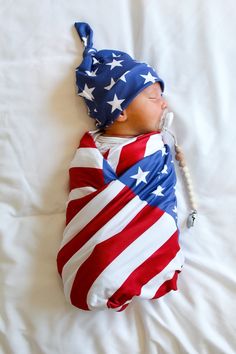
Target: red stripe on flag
166,287
87,141
130,155
105,154
169,285
105,252
86,176
123,308
110,210
145,272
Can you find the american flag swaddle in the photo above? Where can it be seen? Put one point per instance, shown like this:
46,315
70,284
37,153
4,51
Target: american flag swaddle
121,235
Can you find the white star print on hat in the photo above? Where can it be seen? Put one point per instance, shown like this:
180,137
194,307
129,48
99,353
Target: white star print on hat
148,78
108,80
111,85
91,73
123,78
116,103
87,92
115,63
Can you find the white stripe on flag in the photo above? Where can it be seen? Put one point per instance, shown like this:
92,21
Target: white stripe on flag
150,288
112,227
154,144
78,193
134,255
114,154
90,210
87,157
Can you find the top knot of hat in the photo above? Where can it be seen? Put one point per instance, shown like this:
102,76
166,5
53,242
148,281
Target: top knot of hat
109,80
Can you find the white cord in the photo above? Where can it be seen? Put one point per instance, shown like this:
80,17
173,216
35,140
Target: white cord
188,181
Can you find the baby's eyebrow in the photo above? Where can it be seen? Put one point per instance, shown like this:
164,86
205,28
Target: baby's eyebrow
155,92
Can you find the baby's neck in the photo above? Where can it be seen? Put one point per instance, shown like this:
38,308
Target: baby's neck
117,135
120,131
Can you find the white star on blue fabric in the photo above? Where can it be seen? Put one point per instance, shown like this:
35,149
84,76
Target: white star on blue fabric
123,78
111,85
95,61
87,92
91,73
163,151
158,191
92,50
85,41
175,209
116,103
115,63
140,176
165,170
148,78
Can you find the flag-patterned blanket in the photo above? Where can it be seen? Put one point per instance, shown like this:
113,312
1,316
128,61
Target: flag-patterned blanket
121,235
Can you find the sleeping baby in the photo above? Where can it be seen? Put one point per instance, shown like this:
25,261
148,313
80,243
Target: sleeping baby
121,235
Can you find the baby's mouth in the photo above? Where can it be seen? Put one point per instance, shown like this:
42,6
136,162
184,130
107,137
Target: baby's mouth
162,120
166,120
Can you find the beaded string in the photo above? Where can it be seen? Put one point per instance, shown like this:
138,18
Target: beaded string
179,156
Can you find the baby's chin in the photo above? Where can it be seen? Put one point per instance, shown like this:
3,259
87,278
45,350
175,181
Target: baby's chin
149,130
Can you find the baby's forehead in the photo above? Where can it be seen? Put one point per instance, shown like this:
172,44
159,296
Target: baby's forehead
156,87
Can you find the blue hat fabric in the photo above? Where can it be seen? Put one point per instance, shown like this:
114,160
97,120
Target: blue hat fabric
109,80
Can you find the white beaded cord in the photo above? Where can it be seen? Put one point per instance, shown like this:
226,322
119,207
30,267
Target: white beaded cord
188,182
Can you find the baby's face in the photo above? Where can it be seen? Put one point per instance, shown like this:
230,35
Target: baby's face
145,111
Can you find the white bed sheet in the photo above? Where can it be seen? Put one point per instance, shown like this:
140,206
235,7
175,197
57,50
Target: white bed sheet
192,45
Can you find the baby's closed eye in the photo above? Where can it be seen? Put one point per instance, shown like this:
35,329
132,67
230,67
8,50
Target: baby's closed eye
154,97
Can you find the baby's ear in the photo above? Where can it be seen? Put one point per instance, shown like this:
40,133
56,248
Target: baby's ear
122,117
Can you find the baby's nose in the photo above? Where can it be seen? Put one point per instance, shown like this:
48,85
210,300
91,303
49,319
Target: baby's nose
164,104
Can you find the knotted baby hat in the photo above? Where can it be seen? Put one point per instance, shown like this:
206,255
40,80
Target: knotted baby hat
109,80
